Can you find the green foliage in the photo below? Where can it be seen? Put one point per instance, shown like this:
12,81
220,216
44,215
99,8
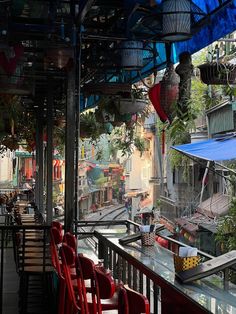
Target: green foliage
226,229
89,127
178,160
229,90
140,144
199,57
158,203
125,140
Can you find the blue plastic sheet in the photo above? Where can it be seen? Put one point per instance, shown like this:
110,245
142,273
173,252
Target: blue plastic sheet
213,150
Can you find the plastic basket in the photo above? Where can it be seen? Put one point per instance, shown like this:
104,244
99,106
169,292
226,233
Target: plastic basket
147,238
184,263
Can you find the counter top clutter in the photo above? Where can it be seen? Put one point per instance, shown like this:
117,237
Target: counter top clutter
186,259
147,235
198,290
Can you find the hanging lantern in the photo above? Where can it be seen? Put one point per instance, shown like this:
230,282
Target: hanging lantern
164,94
179,18
131,54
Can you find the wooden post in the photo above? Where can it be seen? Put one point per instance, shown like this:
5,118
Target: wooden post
70,151
49,208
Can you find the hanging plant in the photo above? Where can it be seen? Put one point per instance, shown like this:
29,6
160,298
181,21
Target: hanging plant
141,145
218,73
10,142
133,102
90,127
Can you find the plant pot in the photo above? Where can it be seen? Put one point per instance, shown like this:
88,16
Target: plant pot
128,105
218,74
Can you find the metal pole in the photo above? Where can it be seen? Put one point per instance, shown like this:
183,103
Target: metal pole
1,280
37,163
70,151
203,182
39,160
49,152
78,77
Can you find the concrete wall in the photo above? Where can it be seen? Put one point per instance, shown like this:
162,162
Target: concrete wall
6,169
140,172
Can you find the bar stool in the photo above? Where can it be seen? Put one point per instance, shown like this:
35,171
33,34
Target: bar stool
76,302
132,302
102,286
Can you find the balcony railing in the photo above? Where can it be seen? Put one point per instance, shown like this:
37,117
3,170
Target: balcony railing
147,277
148,270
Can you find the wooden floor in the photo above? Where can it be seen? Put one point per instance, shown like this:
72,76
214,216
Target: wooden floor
10,284
38,301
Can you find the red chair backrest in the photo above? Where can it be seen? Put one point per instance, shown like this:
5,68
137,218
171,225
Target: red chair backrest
70,239
106,284
123,305
56,238
57,225
87,267
137,303
68,259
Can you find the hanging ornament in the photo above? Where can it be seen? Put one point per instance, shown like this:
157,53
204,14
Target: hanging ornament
164,94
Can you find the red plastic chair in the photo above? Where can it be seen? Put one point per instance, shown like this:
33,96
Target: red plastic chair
102,286
56,239
71,240
132,302
57,225
76,301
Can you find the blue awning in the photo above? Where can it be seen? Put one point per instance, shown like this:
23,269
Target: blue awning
213,150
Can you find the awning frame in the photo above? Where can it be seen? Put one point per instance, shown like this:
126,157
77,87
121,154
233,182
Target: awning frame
209,168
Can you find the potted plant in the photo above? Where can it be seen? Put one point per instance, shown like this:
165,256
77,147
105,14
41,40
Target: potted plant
108,112
133,102
218,73
90,127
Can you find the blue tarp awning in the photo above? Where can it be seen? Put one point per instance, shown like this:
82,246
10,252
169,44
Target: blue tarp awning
213,150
